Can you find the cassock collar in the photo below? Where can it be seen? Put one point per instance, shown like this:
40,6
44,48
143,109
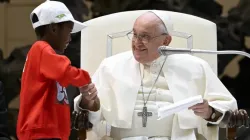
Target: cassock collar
156,64
157,61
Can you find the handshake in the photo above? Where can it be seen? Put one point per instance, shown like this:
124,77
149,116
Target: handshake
89,102
89,92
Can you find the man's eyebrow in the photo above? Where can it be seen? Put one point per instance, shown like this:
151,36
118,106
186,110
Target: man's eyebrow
144,32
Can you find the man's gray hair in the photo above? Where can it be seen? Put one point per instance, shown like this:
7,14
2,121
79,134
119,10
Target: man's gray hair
162,28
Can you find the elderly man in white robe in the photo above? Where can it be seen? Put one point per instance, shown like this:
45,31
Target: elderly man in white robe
141,80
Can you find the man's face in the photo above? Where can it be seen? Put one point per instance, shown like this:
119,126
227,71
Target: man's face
147,38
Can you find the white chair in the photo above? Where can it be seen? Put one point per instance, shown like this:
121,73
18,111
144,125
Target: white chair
106,36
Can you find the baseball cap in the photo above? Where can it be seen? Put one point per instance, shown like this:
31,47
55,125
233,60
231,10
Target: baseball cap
54,12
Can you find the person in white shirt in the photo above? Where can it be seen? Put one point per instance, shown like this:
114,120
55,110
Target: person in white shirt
132,87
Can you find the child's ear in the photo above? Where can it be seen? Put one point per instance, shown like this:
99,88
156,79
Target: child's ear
52,28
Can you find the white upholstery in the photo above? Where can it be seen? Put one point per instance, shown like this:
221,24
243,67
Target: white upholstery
94,37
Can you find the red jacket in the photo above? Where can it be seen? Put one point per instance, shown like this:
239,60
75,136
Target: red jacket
44,109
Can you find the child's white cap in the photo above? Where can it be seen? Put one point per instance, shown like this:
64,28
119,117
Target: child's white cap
54,12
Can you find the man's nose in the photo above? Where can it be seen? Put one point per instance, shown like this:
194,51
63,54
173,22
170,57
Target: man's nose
138,44
137,40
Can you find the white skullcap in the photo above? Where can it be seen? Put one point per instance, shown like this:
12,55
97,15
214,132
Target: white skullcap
165,19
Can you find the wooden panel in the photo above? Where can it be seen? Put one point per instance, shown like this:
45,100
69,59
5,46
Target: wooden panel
26,2
2,29
19,25
227,5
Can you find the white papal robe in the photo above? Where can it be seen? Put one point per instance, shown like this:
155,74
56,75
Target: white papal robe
118,83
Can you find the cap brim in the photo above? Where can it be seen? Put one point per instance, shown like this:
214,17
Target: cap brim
78,26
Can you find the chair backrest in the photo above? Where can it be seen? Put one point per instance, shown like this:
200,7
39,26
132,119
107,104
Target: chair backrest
106,36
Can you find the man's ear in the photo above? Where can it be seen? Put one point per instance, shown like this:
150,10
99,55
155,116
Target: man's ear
167,40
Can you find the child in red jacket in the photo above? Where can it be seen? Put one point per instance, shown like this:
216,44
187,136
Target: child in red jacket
44,107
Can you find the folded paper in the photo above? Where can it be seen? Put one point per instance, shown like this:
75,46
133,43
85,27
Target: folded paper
179,106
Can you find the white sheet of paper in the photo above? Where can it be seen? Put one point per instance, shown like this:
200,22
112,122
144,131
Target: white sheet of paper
179,106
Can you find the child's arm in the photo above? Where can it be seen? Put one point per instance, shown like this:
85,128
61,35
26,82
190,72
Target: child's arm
58,67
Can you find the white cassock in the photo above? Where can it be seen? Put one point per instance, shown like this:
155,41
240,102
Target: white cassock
118,81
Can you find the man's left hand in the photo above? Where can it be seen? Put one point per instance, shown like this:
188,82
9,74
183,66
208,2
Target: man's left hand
202,109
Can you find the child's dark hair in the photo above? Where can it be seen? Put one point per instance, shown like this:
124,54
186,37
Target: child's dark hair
40,31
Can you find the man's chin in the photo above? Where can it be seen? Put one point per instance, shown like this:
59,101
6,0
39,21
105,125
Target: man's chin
139,59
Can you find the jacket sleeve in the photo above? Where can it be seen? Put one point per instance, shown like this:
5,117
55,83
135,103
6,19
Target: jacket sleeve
58,67
217,94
